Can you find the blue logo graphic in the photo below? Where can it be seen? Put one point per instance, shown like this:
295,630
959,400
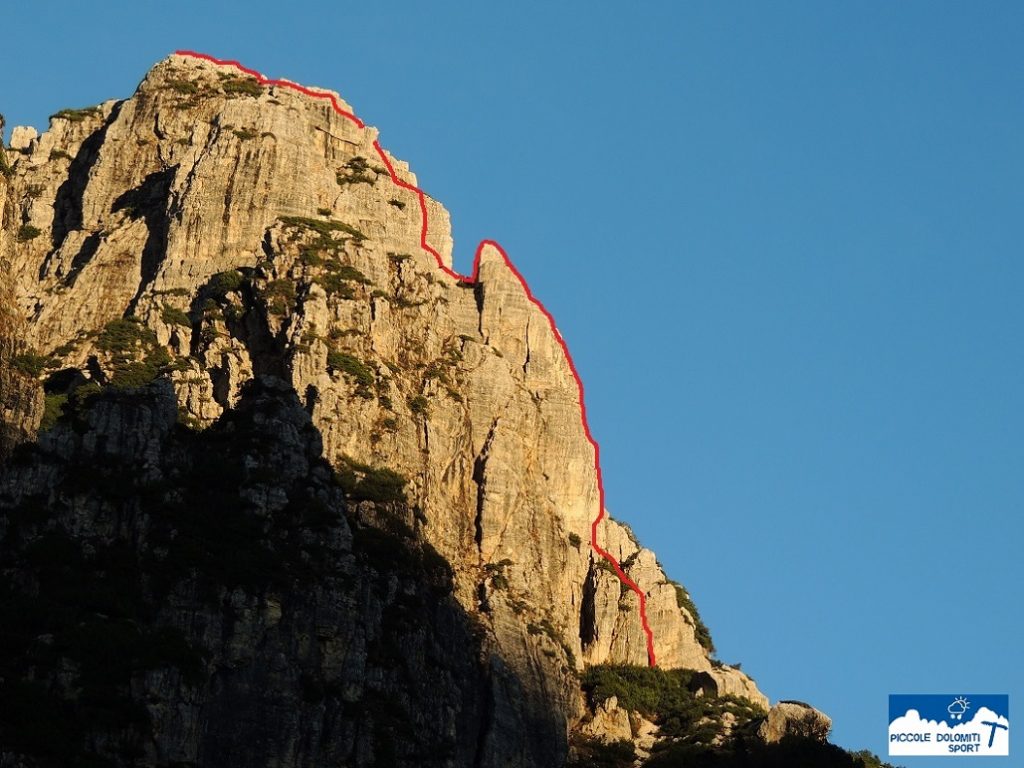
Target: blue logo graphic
949,724
958,708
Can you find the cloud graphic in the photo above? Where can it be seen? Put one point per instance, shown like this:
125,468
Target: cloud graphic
943,736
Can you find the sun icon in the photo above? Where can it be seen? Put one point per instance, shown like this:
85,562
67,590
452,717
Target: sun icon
959,706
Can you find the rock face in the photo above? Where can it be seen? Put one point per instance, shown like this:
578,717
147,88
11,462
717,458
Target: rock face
293,627
22,137
794,718
21,398
211,231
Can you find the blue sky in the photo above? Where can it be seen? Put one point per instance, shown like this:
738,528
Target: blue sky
783,242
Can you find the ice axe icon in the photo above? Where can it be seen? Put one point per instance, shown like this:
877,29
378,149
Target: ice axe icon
992,734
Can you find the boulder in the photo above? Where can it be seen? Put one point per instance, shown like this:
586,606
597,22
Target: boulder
794,718
610,723
729,681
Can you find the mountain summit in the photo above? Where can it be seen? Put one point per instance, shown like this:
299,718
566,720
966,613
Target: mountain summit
279,487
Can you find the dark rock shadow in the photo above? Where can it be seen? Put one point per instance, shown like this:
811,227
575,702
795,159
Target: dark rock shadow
226,598
67,206
150,201
89,247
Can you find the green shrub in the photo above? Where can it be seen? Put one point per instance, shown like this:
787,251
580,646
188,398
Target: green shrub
186,87
53,409
342,362
397,203
175,316
419,404
279,295
324,211
648,690
381,484
241,86
663,696
227,282
575,540
135,357
245,134
311,257
323,228
339,277
28,232
31,364
748,751
336,286
124,335
361,482
358,171
867,759
137,373
347,272
81,399
594,753
336,333
76,115
59,154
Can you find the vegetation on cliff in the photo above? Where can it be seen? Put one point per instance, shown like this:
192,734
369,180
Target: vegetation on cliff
697,729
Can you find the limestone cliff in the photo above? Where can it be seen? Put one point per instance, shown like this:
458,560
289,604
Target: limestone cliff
213,230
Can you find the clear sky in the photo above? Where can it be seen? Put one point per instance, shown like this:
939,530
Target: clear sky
784,243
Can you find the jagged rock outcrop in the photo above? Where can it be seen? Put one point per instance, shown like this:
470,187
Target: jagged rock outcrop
724,680
794,718
210,231
22,137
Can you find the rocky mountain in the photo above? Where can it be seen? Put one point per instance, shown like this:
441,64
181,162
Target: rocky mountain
279,487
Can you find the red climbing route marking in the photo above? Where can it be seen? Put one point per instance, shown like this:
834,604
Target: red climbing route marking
472,278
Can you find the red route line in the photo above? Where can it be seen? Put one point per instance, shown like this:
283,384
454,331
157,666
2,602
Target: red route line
471,279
